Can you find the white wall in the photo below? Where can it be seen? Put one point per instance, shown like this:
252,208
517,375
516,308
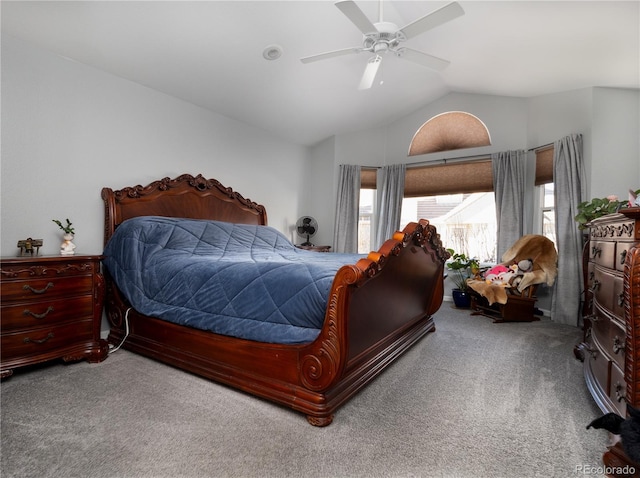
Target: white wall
615,163
69,129
319,192
609,121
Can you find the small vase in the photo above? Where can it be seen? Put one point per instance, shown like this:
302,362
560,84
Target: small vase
67,248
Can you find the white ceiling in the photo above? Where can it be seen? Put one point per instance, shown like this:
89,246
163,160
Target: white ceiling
209,53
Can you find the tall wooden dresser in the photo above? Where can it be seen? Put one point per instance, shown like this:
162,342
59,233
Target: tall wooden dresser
612,317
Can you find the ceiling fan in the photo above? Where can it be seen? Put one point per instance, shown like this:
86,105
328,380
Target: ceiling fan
381,37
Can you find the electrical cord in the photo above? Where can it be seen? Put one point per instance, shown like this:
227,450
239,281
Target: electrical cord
126,332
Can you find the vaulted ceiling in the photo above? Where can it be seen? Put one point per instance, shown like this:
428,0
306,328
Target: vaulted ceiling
210,53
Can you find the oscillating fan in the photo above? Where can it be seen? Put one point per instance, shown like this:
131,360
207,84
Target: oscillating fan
383,36
307,227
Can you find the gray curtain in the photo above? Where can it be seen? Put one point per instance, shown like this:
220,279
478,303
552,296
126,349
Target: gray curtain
390,185
570,189
345,235
509,170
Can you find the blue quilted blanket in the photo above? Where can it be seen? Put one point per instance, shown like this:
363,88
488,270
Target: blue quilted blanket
239,280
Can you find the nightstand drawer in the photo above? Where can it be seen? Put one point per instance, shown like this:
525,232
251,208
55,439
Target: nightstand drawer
42,313
43,340
38,289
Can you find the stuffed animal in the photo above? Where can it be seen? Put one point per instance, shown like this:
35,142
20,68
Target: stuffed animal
521,268
500,275
542,252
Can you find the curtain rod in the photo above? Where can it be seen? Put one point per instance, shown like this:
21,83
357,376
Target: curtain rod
459,159
476,157
541,147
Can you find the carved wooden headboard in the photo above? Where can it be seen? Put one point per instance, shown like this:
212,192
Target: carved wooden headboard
185,196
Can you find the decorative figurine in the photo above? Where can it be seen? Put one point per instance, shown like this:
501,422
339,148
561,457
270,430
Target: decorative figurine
67,247
29,246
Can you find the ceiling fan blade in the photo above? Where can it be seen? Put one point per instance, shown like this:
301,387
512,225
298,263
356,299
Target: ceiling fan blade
424,59
357,17
330,54
432,20
370,72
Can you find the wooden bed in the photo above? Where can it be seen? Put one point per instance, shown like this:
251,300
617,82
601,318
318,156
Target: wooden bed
377,308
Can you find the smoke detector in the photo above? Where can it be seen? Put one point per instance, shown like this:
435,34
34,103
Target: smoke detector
272,52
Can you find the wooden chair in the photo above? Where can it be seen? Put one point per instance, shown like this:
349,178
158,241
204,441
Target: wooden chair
520,306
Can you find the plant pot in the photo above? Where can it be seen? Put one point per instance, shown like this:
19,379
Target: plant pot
461,298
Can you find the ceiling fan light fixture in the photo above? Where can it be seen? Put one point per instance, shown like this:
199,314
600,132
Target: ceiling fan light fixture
272,52
449,131
383,36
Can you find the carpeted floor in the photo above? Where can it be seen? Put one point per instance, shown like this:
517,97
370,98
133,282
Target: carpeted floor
474,399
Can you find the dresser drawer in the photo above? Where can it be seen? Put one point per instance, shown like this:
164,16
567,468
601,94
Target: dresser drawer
46,339
600,365
591,268
622,249
42,313
618,389
38,289
603,253
602,288
617,301
617,342
601,329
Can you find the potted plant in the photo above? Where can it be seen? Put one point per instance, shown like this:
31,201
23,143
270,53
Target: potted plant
589,210
67,247
462,268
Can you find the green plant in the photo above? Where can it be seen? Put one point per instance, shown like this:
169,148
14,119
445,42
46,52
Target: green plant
68,229
463,268
590,210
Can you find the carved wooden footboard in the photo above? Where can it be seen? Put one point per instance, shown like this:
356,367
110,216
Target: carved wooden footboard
377,308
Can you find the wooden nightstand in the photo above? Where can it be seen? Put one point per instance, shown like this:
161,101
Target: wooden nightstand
314,248
51,308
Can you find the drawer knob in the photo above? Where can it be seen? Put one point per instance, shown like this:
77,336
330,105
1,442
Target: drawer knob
38,291
595,251
28,340
38,316
619,395
623,255
621,299
595,286
591,351
618,345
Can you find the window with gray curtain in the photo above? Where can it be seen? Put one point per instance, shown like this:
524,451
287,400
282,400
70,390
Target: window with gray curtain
390,183
345,235
570,189
509,170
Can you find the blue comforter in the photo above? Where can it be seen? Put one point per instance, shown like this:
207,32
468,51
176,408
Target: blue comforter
239,280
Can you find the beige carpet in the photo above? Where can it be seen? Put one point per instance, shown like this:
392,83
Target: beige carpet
474,399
